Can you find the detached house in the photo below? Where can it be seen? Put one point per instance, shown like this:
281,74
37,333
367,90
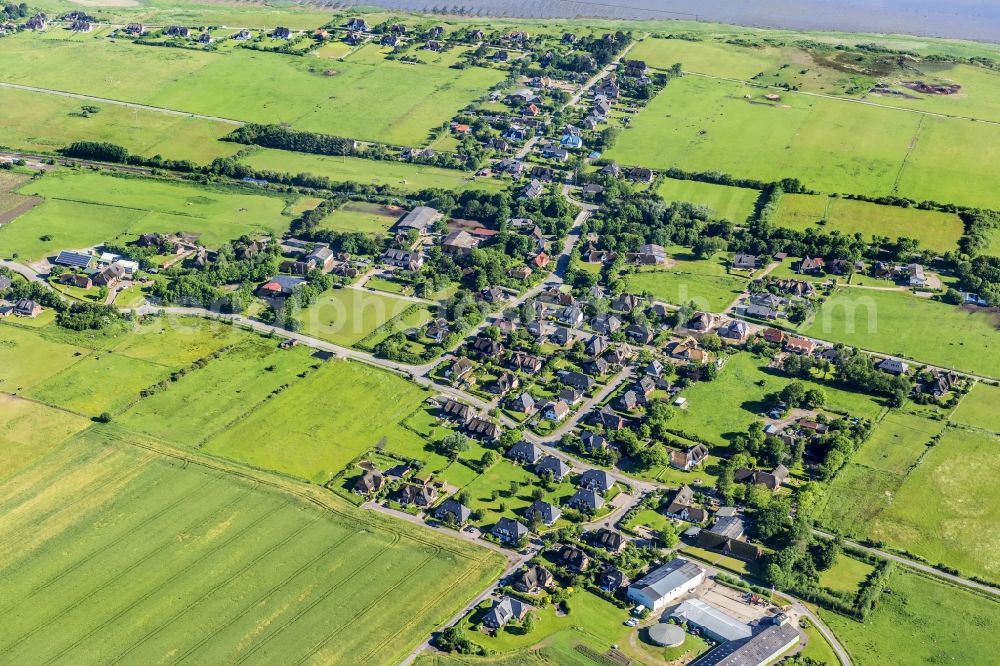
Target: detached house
533,579
504,611
545,512
687,460
508,530
525,452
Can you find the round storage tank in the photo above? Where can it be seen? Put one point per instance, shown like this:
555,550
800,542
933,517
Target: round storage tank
666,635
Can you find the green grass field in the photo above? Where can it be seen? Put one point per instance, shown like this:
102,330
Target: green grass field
351,408
222,393
734,400
979,408
391,102
831,145
845,575
907,628
99,383
362,217
947,509
347,316
897,442
140,558
855,498
934,230
29,430
707,57
397,175
26,359
687,278
40,122
918,328
86,208
729,203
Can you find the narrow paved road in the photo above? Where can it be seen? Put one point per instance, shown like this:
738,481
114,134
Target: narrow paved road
919,566
118,102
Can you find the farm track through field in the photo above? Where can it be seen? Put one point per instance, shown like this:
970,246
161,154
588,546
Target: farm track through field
361,613
118,102
115,578
247,607
294,618
906,158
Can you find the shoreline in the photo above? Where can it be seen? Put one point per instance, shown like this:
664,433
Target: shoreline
970,20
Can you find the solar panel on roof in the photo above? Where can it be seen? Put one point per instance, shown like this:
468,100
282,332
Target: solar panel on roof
77,259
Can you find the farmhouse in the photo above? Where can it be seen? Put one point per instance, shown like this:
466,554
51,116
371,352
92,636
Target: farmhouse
27,308
665,584
418,495
79,280
744,262
772,479
281,33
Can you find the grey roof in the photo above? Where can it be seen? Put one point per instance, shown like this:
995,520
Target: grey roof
597,479
585,498
526,451
756,651
728,526
508,528
558,467
452,506
670,576
548,513
712,620
420,218
503,611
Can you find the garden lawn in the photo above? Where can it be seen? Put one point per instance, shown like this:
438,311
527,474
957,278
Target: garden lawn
134,556
102,382
726,406
217,396
29,430
845,575
918,328
27,358
362,217
897,442
347,316
730,203
906,626
828,144
934,230
352,408
980,408
397,175
86,208
40,122
948,508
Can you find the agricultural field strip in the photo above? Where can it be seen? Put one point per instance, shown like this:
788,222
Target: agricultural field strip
247,607
135,563
326,594
846,99
118,102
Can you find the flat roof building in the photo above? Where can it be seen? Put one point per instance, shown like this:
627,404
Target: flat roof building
711,620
